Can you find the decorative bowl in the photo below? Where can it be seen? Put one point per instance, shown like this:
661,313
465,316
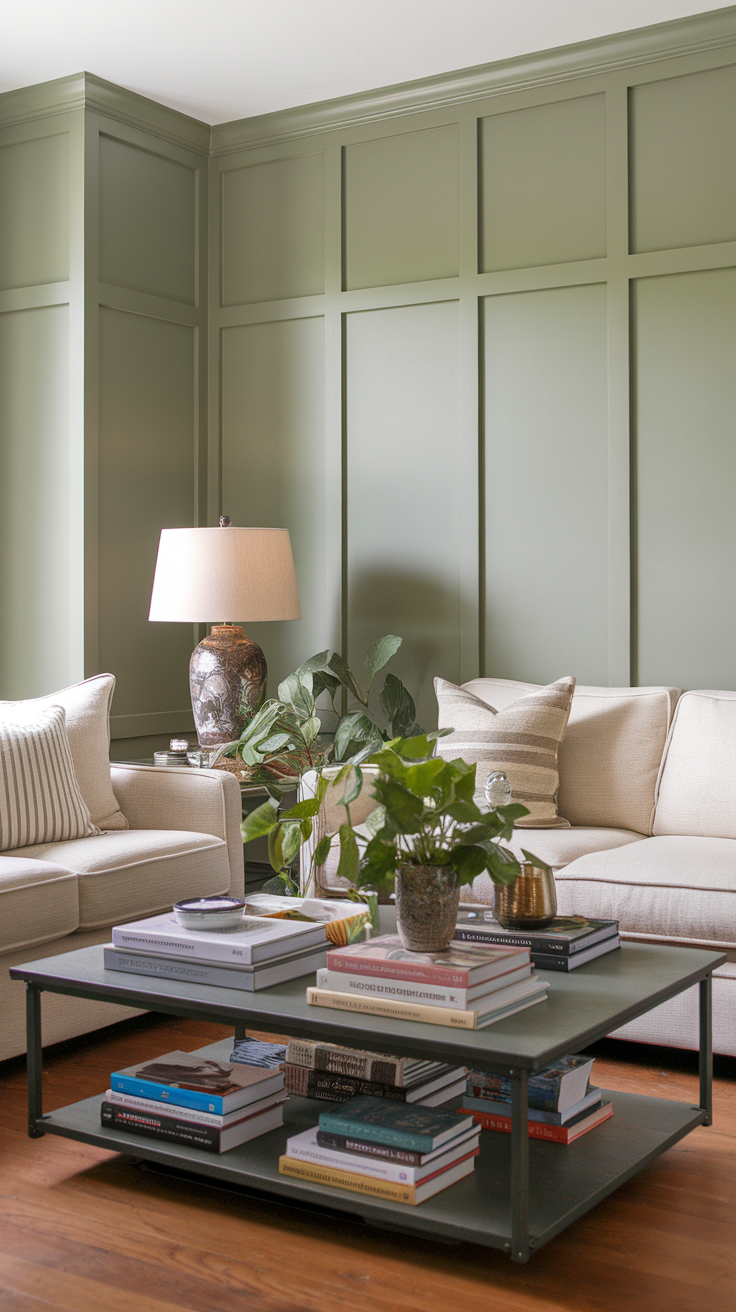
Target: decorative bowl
210,912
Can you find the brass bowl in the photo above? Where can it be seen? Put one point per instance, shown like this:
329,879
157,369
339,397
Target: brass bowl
530,902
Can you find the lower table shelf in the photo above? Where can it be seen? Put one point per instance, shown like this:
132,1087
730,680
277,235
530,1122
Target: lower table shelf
565,1181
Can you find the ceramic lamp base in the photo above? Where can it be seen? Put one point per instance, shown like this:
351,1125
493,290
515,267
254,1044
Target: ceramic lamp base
227,680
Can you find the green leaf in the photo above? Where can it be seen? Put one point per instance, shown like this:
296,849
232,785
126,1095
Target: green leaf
353,728
379,653
398,706
466,813
355,786
322,682
468,861
322,850
416,748
404,809
275,742
275,851
379,863
349,855
421,779
302,810
259,822
344,673
314,664
276,885
375,821
311,728
291,840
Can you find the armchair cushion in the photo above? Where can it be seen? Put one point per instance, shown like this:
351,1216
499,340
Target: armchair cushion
38,902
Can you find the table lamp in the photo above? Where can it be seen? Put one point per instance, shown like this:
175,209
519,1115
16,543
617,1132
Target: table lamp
204,574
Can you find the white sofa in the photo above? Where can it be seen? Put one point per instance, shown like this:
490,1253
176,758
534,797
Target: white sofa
648,783
167,834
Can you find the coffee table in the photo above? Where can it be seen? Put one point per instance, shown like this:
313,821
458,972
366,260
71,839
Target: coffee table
522,1192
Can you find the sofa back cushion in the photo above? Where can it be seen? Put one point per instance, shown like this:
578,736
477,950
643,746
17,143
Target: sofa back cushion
87,707
40,801
610,757
697,788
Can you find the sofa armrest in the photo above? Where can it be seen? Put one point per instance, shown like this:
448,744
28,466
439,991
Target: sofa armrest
197,801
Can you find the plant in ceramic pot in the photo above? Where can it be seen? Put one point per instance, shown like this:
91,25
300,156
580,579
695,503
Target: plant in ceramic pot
428,834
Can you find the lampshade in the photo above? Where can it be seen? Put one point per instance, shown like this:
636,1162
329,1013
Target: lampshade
207,575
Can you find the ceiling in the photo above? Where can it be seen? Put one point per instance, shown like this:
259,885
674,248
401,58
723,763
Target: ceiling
230,59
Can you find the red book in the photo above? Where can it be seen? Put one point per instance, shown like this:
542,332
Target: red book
538,1130
460,966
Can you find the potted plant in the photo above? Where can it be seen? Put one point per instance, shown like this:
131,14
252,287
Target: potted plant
426,835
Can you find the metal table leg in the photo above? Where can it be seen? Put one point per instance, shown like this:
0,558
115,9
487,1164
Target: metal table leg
239,1031
519,1166
34,1061
706,1049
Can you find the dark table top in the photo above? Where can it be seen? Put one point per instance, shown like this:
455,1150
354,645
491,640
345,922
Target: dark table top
582,1006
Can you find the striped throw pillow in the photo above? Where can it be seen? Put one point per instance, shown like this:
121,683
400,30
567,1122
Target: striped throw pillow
40,801
522,740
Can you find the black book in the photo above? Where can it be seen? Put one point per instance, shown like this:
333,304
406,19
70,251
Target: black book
171,1129
558,961
565,936
330,1086
406,1156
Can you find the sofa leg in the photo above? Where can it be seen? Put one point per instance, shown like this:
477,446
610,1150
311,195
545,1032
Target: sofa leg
34,1060
240,1031
706,1049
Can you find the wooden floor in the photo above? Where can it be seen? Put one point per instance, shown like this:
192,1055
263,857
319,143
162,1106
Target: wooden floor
85,1230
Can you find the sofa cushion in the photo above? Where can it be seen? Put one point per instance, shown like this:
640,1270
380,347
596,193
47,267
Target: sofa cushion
697,788
675,889
38,902
611,754
523,740
87,707
40,801
556,847
135,872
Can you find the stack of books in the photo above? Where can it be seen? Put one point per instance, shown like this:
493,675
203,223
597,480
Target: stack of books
384,1149
565,944
190,1098
261,953
331,1073
563,1105
468,986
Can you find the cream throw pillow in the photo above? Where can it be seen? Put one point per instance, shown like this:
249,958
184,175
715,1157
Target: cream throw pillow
523,740
40,801
87,707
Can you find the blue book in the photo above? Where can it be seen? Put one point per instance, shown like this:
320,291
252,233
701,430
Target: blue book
188,1079
396,1124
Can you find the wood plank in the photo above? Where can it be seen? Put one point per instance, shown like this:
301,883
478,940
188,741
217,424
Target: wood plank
82,1228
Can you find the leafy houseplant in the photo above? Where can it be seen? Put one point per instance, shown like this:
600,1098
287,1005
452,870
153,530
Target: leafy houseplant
282,740
426,833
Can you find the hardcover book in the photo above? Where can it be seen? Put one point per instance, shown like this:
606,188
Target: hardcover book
421,1129
226,975
169,1129
331,1087
190,1114
375,1066
538,1130
482,997
565,935
255,940
478,1100
366,1184
462,965
187,1079
552,1089
306,1148
390,1153
477,1019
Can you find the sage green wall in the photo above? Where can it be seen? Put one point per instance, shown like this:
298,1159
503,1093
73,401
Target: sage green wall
41,443
103,214
526,280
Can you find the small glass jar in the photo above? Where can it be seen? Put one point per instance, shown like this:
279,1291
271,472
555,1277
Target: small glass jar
497,789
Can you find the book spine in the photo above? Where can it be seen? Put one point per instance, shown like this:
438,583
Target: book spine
461,1020
166,1128
375,1168
332,1087
359,1148
345,1061
497,939
163,1109
543,1095
201,1102
401,990
362,1184
535,1129
196,972
383,968
171,946
381,1134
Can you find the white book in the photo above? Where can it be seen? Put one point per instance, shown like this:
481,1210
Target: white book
190,1113
412,990
304,1148
259,939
